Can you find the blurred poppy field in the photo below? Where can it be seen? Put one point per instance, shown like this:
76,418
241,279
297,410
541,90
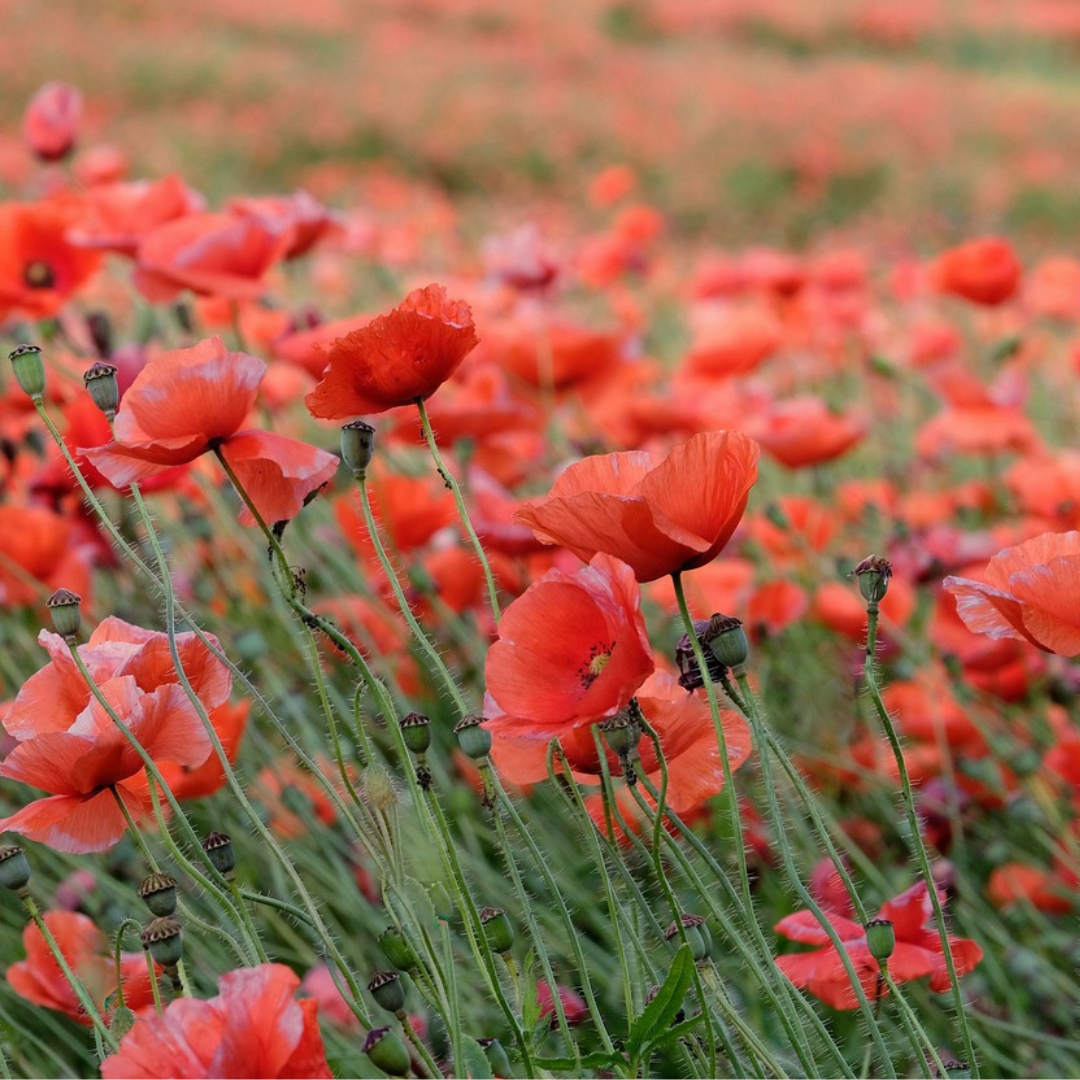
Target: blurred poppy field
540,539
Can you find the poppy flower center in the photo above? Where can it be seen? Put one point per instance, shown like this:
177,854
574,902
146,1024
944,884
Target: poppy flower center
599,658
39,275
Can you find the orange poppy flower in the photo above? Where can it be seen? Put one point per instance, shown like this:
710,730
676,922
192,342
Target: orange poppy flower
254,1027
1019,883
556,354
51,120
1030,593
189,401
396,359
984,271
803,431
734,340
37,555
301,214
571,649
658,518
840,607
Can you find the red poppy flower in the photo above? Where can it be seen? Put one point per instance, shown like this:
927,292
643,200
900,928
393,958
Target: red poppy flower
556,354
39,979
301,214
188,401
397,359
573,1003
1030,593
658,518
734,340
917,953
51,120
37,555
572,649
984,271
803,431
254,1027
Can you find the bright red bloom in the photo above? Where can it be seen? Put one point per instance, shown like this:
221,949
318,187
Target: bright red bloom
658,518
572,649
396,359
39,979
51,120
984,271
254,1027
189,401
918,951
1030,593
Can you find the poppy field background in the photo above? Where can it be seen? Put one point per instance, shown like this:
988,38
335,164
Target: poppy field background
447,385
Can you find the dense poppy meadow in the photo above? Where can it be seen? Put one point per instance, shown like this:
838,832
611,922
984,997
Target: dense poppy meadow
566,640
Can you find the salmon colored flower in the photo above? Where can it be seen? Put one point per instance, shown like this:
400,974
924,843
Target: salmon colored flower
37,555
190,401
300,213
658,518
918,951
1030,593
51,121
572,649
984,271
396,359
803,431
38,978
254,1027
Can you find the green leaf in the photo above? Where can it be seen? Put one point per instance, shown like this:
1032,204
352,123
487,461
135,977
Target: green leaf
474,1061
657,1016
673,1034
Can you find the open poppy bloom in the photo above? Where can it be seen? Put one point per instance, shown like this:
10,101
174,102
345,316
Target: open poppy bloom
918,951
658,518
189,401
39,979
572,649
254,1027
1030,593
396,359
984,271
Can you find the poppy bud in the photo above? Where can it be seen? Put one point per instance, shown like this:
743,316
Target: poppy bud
397,950
622,732
158,893
64,611
385,987
100,329
29,370
100,381
357,447
219,850
123,1020
873,574
726,639
416,731
497,928
472,738
165,941
14,868
690,674
697,932
496,1055
379,787
880,939
51,121
386,1051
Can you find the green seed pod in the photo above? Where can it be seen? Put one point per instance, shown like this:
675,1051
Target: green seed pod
357,447
498,929
416,731
398,950
472,738
65,613
385,987
727,640
873,574
622,732
165,941
158,893
14,868
29,370
497,1059
880,939
697,932
100,381
219,850
385,1050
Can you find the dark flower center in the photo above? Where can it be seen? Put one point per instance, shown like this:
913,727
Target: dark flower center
599,658
39,275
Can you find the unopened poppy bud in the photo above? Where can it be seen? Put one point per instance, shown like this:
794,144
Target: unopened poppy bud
64,611
497,1058
29,371
379,787
123,1020
472,738
357,447
880,939
51,121
385,987
497,929
873,574
397,950
697,932
726,639
158,893
690,674
100,329
416,731
14,868
386,1051
165,941
219,850
100,382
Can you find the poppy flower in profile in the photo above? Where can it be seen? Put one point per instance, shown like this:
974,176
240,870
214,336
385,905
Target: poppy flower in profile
38,978
300,213
918,951
396,359
1030,593
658,518
51,120
803,431
984,271
571,649
187,402
254,1027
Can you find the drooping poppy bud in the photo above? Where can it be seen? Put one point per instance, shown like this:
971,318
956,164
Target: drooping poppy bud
51,121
